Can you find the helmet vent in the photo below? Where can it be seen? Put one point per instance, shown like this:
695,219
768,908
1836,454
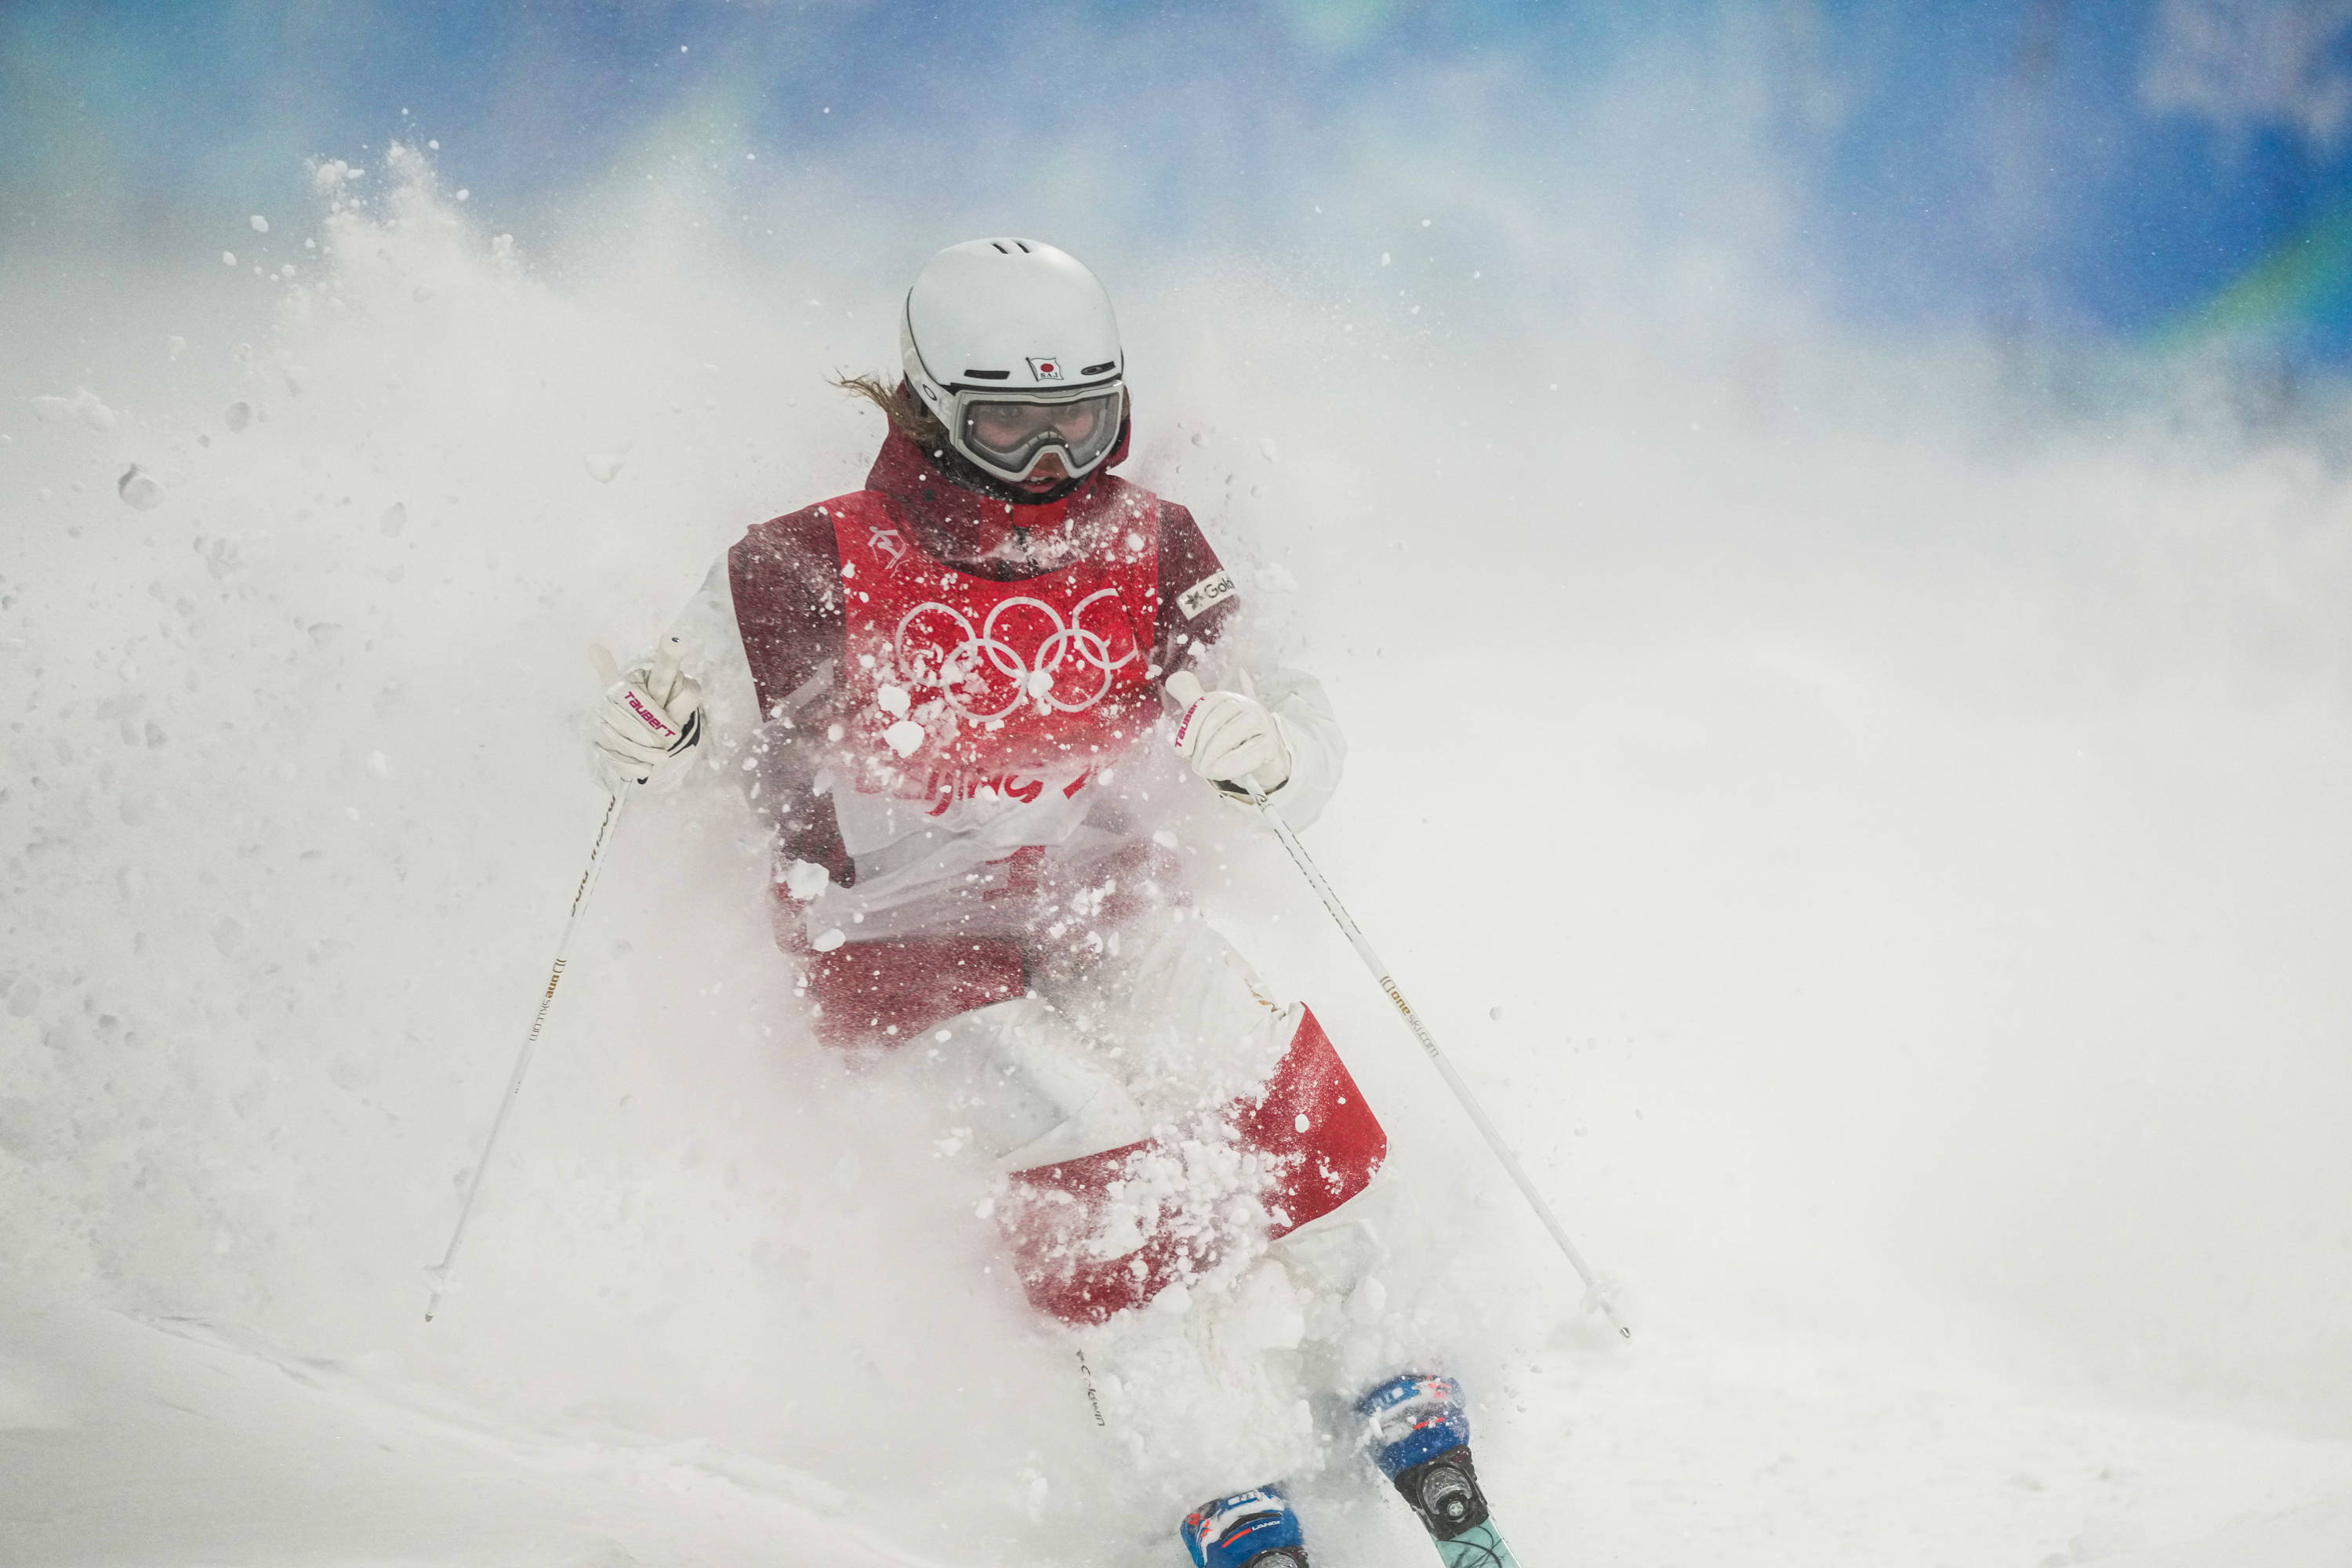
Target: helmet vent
1098,369
1000,248
1022,245
988,374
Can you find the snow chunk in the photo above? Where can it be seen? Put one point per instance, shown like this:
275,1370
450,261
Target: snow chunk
1267,1312
804,879
828,940
394,518
904,736
1266,446
1165,839
139,489
892,701
260,224
83,405
238,415
229,258
603,466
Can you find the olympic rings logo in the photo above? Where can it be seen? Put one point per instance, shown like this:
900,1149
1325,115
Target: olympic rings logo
1067,642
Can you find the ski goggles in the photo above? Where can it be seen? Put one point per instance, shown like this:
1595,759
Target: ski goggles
1008,436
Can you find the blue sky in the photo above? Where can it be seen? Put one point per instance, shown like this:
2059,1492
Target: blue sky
2022,167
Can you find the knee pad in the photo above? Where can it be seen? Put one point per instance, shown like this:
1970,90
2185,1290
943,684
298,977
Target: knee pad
1096,1235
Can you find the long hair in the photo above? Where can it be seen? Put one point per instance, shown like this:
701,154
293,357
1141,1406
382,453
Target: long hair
899,405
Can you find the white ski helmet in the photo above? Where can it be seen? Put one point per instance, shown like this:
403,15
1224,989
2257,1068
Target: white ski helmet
1011,345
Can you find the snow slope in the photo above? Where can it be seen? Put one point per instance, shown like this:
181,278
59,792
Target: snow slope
1884,866
133,1443
130,1443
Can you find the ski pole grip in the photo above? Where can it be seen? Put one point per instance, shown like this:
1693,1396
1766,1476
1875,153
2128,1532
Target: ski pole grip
668,658
661,680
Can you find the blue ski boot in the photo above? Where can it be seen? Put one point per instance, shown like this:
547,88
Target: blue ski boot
1418,1430
1252,1527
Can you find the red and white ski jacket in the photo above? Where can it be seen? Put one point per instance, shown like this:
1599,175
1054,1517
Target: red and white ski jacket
928,690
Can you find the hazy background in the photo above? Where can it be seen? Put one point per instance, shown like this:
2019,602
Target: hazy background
1827,528
2036,173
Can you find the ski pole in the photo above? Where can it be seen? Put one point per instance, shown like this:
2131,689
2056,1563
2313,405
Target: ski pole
530,1044
1186,688
440,1275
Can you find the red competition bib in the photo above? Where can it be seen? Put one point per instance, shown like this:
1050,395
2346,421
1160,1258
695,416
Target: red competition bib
958,686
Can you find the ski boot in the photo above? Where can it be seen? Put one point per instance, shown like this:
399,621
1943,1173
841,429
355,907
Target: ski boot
1418,1430
1249,1528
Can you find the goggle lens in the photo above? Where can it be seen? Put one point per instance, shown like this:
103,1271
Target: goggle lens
1011,434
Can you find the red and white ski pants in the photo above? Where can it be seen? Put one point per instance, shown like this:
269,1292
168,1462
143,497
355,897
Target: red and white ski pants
1160,1119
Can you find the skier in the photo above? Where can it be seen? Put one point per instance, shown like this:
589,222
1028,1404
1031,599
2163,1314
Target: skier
941,691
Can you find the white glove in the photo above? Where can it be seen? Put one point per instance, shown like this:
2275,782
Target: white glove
1228,736
650,718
